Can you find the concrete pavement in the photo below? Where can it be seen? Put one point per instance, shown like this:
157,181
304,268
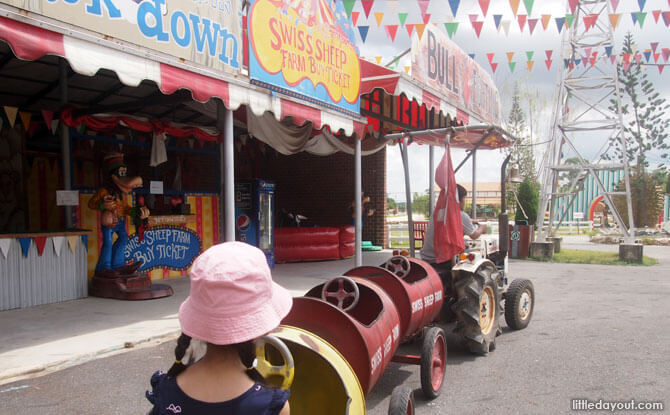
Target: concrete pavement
49,337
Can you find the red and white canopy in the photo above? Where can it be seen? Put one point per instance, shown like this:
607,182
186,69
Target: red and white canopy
87,54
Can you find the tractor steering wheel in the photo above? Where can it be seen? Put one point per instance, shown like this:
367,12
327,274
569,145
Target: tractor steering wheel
399,265
266,368
341,289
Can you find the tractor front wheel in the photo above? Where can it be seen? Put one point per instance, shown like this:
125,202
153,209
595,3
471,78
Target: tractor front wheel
519,304
477,309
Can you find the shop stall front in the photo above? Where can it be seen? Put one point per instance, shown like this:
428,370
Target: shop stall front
79,83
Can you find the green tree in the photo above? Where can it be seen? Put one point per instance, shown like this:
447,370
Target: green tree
646,197
526,207
390,203
521,150
645,113
421,204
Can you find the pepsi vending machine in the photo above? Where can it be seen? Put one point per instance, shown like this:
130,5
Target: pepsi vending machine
254,215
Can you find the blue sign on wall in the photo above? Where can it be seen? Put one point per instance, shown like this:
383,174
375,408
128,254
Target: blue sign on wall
170,247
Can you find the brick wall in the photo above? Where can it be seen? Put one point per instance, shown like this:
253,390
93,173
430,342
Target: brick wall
322,188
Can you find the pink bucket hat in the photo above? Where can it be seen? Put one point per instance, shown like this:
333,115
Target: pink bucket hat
233,298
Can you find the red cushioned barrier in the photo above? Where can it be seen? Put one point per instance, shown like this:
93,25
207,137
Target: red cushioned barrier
310,244
347,241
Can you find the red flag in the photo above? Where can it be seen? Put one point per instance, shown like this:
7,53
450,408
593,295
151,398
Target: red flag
448,238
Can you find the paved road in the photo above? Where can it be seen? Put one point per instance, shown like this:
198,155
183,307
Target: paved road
598,332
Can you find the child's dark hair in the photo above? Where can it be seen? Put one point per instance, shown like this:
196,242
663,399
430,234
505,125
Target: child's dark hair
246,351
182,344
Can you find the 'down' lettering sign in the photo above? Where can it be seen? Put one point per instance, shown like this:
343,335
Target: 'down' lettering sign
169,247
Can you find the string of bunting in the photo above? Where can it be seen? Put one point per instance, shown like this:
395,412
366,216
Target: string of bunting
41,242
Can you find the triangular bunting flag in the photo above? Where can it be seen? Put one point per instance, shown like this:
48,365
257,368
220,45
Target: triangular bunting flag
11,114
58,243
615,4
647,55
472,56
402,17
514,4
490,56
407,69
84,240
378,17
612,58
423,5
593,59
512,65
529,6
25,245
367,6
587,51
641,3
568,20
640,18
5,243
656,56
546,18
666,54
530,65
473,17
72,242
614,19
548,63
409,28
419,29
505,25
573,5
638,58
494,66
510,55
666,18
363,31
548,53
577,61
453,4
478,27
54,126
531,25
25,118
348,6
378,59
426,17
354,17
484,5
608,50
40,242
653,45
529,55
391,31
521,18
660,68
656,14
48,117
496,20
560,22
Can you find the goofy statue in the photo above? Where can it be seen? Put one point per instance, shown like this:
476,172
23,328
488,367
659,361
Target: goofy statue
114,278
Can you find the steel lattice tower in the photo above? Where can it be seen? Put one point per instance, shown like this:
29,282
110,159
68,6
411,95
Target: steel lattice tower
587,82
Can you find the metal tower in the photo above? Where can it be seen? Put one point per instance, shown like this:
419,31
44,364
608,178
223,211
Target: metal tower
583,123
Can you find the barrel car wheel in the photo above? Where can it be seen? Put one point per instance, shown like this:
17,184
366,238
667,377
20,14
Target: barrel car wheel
402,401
433,361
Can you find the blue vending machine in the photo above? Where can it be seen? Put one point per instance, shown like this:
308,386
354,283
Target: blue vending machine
254,215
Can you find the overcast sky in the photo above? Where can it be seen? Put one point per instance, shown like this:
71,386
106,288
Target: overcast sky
539,83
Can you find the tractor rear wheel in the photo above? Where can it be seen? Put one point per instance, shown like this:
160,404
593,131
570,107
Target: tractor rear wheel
478,310
402,401
519,303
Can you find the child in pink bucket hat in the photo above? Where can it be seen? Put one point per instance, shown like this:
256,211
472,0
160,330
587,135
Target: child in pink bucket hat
232,301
